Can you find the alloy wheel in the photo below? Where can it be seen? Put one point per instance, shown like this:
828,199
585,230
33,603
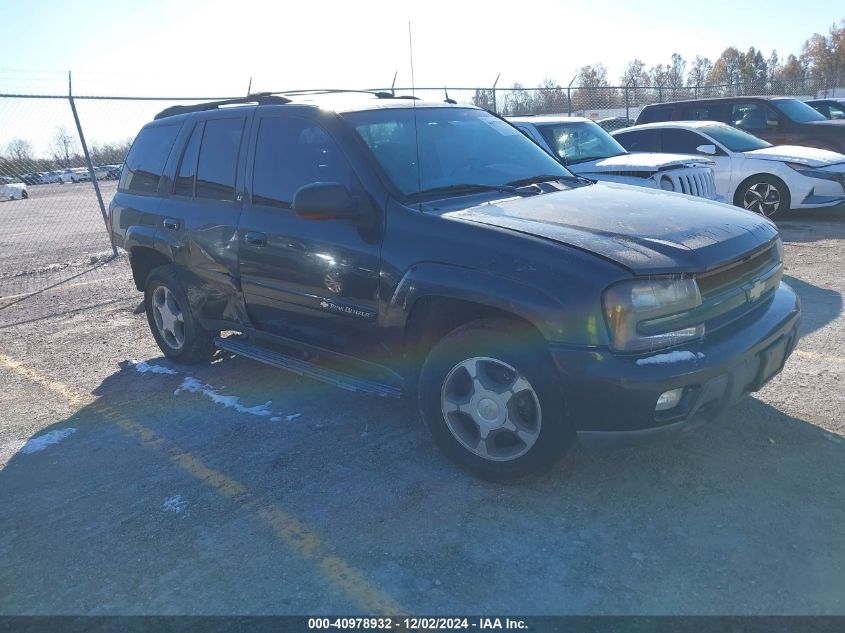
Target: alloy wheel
763,198
491,409
168,317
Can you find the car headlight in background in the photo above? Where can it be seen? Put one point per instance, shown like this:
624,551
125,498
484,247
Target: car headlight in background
636,302
810,172
666,184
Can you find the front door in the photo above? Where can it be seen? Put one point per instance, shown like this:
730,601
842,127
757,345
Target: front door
309,280
678,141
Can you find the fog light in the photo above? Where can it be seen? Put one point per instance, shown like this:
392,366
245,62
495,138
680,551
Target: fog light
669,399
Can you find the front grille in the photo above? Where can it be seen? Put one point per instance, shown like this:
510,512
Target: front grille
737,274
693,181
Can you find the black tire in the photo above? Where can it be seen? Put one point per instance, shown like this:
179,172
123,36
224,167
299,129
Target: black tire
496,341
197,345
760,192
24,195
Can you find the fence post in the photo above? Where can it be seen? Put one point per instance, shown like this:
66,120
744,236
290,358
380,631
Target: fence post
569,96
627,104
495,109
89,163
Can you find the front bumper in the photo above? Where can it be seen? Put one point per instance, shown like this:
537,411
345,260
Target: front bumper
611,392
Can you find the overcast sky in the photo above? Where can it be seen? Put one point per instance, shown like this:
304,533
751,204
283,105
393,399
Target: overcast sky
212,48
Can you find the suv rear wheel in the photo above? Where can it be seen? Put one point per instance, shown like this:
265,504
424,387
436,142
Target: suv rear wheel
492,401
178,334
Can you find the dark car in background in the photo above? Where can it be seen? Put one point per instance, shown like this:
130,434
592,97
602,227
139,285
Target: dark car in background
778,120
829,108
391,247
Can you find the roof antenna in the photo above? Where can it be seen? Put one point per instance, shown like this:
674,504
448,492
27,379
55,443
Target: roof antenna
448,100
414,95
249,87
392,86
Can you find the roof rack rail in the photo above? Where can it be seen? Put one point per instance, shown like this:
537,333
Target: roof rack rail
379,94
258,97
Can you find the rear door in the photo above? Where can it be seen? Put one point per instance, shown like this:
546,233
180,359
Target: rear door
199,219
308,280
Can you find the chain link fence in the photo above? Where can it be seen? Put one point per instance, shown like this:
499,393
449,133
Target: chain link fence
52,228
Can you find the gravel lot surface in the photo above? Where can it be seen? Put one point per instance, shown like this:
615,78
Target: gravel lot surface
160,502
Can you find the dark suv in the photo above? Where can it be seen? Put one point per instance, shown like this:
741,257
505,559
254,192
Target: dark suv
778,120
393,247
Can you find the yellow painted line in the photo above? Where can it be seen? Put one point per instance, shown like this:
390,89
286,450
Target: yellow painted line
290,530
819,357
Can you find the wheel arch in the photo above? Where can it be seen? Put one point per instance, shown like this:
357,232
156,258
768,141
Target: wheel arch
142,260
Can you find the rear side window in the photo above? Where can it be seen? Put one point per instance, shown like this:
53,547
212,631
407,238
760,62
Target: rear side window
218,159
291,153
187,173
146,160
639,140
702,112
655,115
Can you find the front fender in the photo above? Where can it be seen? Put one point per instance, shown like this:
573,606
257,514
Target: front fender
576,322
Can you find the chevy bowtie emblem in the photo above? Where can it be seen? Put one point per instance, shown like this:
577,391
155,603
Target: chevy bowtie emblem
756,290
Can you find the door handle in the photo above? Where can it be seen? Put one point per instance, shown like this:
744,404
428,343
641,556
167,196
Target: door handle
170,224
253,238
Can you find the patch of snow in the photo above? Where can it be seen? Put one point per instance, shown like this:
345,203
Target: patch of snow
174,504
143,367
43,441
292,416
275,418
670,357
833,438
192,385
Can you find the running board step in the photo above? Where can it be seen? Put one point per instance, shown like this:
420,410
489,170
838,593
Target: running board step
238,346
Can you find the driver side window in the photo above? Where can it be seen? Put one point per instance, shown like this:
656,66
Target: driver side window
753,117
291,153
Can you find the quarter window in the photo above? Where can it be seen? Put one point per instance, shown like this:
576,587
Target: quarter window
146,160
753,117
218,159
291,153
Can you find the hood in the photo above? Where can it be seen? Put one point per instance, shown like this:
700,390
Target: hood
809,156
648,231
837,124
648,162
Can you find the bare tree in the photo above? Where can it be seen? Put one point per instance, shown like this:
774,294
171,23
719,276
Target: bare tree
64,146
699,70
20,150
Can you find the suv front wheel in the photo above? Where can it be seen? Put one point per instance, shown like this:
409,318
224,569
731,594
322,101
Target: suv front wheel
492,401
178,334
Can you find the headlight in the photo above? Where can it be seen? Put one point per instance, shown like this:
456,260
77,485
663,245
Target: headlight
779,249
644,302
810,172
666,184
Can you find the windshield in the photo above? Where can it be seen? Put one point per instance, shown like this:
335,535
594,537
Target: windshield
798,111
581,141
457,146
735,140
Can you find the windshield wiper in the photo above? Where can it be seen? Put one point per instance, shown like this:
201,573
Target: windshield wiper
535,180
467,188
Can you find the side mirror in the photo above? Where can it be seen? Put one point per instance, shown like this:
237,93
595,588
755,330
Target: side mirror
325,201
708,149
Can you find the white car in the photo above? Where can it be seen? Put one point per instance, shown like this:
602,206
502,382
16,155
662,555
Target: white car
13,188
51,177
78,174
750,172
589,151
